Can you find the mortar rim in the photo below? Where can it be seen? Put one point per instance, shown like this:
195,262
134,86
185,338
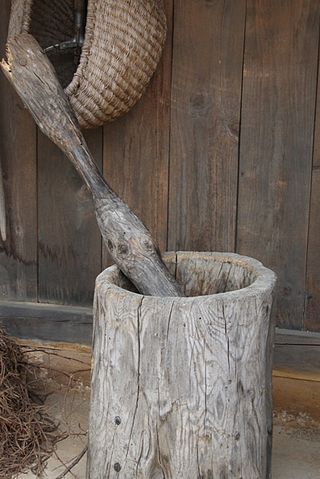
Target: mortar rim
263,283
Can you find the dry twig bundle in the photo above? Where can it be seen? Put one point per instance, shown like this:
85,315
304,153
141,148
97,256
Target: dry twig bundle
27,435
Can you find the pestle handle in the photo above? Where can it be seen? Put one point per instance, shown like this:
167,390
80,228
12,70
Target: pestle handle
127,239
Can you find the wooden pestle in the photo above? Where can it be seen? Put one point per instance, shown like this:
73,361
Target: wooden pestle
127,239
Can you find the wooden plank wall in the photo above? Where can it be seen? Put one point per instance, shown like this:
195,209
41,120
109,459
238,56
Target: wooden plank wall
18,148
276,142
222,153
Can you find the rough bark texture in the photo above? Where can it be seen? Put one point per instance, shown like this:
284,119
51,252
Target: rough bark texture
181,387
129,242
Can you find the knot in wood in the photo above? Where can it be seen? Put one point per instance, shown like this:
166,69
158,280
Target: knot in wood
123,249
23,62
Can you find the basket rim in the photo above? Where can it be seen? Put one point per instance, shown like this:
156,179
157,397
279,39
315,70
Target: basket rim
95,100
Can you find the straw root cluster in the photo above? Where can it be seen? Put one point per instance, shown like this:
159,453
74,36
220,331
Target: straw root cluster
27,435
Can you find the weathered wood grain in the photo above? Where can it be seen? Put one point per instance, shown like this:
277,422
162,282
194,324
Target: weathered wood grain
316,144
3,216
136,149
46,322
18,253
277,114
129,242
312,305
180,388
206,96
312,297
69,238
297,354
277,120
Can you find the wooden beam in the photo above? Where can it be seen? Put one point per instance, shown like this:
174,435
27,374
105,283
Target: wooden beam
47,322
297,355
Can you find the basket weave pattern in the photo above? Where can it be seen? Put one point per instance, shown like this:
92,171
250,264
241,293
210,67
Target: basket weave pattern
123,44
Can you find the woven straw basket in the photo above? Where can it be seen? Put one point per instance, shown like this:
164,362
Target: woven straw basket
122,47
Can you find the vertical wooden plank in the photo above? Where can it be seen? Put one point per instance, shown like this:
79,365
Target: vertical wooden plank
316,143
206,98
18,254
312,306
136,150
69,239
279,88
312,312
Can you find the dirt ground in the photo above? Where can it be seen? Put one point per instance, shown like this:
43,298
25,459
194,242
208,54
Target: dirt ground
296,441
295,450
296,444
